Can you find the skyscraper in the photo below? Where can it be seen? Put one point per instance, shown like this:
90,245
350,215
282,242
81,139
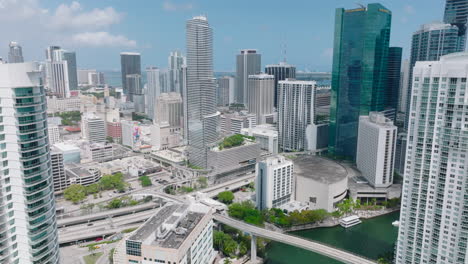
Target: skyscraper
135,92
359,76
28,229
202,117
295,113
429,43
176,61
153,90
456,14
434,208
225,90
249,62
260,96
129,64
70,58
15,54
61,71
393,80
281,71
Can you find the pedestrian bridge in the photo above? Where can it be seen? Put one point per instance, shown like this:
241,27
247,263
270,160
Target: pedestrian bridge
334,253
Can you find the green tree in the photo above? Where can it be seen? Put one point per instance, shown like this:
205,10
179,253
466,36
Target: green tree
92,189
203,181
75,193
115,203
226,197
110,139
145,181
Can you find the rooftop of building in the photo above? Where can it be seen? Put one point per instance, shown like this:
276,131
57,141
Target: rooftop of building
130,53
234,141
81,170
282,64
266,131
378,119
169,227
62,146
261,76
295,81
319,169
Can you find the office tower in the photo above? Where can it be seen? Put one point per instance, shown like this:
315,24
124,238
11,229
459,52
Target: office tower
260,96
176,61
28,229
164,80
393,80
434,208
235,122
135,92
54,134
70,58
225,90
359,76
153,90
15,53
93,128
404,83
295,113
129,64
90,77
249,62
169,109
281,71
376,149
58,170
456,14
202,116
429,43
131,134
274,182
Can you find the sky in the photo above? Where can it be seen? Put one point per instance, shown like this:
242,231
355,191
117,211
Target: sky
98,30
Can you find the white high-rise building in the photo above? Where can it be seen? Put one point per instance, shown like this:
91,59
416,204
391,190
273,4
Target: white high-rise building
274,182
434,208
404,83
153,87
295,114
248,62
15,53
28,229
176,62
169,109
202,116
376,149
58,169
54,134
93,128
57,72
261,96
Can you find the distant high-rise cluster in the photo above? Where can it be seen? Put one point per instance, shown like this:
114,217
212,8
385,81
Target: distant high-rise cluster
130,63
15,53
61,71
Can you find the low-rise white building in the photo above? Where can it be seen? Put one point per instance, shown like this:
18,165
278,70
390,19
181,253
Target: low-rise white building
100,152
54,134
71,153
274,182
164,136
177,233
82,174
376,149
265,136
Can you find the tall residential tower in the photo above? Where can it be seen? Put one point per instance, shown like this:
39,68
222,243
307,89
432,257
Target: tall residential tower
248,62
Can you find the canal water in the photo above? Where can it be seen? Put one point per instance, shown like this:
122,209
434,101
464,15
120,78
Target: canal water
372,238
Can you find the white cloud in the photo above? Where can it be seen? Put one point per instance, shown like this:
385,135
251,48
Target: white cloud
102,38
171,6
408,9
73,17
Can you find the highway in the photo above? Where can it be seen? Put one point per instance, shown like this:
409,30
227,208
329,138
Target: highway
229,185
335,253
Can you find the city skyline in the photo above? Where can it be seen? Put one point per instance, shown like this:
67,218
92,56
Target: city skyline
113,30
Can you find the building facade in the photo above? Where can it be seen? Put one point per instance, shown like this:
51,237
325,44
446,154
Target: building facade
15,53
266,137
260,96
359,76
434,205
58,170
274,182
248,62
393,80
456,14
202,116
176,62
153,89
130,63
93,129
27,206
235,122
376,149
281,71
225,90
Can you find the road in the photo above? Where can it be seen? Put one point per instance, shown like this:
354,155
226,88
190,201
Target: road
316,247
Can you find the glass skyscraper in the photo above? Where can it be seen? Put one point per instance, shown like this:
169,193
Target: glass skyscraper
359,76
393,79
202,116
456,13
130,63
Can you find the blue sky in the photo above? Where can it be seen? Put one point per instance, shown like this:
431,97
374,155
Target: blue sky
99,29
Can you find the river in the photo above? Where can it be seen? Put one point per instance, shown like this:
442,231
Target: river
371,239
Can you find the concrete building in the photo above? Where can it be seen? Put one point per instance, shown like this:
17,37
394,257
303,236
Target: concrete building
434,207
164,136
114,130
321,183
281,71
227,159
28,232
58,170
135,92
54,134
260,96
175,62
175,234
71,153
169,109
83,174
70,58
265,136
153,88
57,105
90,77
129,64
100,152
376,149
404,82
93,128
296,115
201,114
15,53
248,62
233,123
274,182
58,80
225,90
131,134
